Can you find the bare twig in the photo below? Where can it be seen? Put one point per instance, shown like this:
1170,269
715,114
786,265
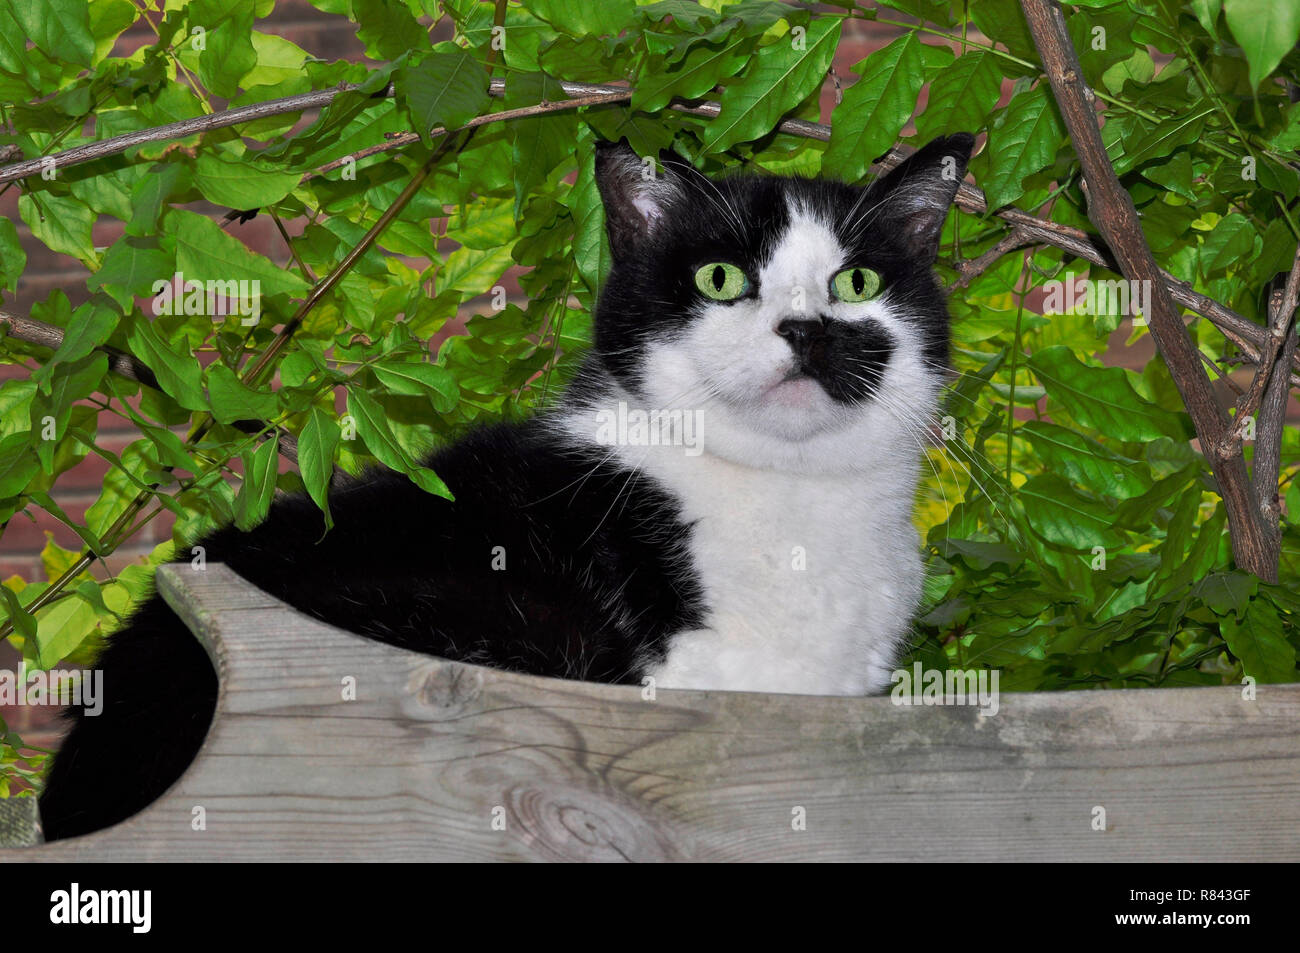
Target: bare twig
1111,209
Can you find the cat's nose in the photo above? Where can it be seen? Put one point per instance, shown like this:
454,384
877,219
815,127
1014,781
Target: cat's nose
803,335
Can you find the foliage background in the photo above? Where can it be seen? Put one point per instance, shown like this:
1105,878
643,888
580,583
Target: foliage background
1054,454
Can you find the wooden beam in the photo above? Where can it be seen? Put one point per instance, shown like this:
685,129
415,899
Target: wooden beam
431,753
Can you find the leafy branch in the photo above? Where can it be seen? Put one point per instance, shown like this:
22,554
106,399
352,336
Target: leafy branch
1030,229
1255,537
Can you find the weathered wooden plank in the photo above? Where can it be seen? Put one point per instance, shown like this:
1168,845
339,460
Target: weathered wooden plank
435,760
18,822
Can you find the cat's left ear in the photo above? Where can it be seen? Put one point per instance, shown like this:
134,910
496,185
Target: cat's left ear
636,199
916,195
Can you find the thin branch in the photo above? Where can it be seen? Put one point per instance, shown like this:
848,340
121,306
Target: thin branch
258,369
1248,405
1246,334
31,331
1273,406
173,130
971,268
1111,209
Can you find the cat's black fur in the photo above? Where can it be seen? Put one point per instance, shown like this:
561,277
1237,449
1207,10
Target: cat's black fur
591,586
598,569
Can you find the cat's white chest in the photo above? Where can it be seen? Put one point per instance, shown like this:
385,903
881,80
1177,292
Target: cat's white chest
810,582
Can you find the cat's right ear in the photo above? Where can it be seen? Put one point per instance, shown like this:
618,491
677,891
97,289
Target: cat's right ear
634,196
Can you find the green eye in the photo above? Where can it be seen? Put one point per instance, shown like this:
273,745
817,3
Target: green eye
721,282
856,284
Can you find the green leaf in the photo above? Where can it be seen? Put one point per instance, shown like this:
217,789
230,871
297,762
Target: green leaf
317,445
90,326
780,76
1023,142
228,52
62,627
473,271
583,18
542,142
152,192
444,89
261,467
1083,460
45,502
206,253
962,95
23,621
485,223
1232,239
1138,68
58,28
1266,29
1228,592
62,223
108,19
590,245
18,463
1162,139
239,183
179,375
373,429
703,67
1259,641
685,13
1102,397
386,27
1207,12
277,60
58,391
13,260
419,379
1004,22
131,268
875,108
1061,516
233,400
1175,174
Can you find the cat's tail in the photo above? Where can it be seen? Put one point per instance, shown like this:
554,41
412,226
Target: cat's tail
158,693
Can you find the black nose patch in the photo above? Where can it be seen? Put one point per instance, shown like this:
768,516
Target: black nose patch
807,338
847,358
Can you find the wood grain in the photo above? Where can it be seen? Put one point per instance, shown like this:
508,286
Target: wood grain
418,766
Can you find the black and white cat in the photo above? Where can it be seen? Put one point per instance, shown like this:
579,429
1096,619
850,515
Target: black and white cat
785,339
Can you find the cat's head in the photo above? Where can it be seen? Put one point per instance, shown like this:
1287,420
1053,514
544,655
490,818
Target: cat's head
800,317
